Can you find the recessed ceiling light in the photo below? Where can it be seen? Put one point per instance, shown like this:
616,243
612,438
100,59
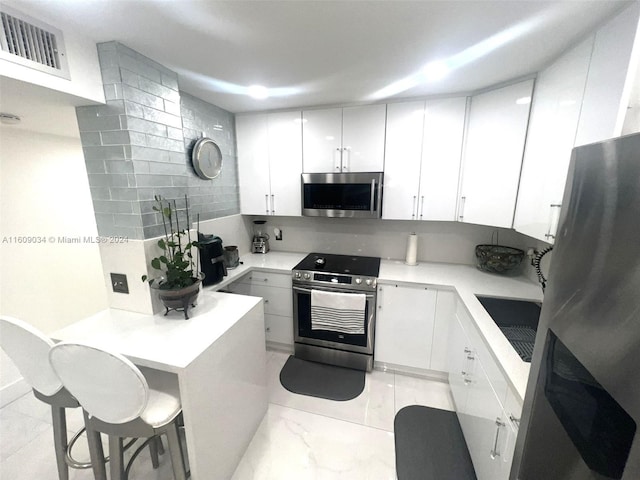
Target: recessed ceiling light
435,70
258,92
9,118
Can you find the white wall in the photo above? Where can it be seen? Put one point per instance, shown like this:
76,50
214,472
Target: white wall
44,192
82,55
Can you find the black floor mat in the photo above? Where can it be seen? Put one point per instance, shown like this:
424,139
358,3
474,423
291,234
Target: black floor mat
430,445
320,380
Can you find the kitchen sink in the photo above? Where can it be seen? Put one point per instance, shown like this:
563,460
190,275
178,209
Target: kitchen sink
518,321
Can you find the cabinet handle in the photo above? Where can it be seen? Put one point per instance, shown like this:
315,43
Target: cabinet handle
463,201
421,206
514,420
266,300
266,202
494,452
413,208
273,204
337,159
346,165
553,221
268,329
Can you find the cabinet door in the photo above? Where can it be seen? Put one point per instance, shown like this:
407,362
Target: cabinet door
253,164
459,367
404,326
552,132
606,95
278,329
493,155
445,311
363,138
285,162
403,153
322,140
441,158
485,430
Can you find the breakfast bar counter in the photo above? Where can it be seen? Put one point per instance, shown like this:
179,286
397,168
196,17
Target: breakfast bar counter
219,358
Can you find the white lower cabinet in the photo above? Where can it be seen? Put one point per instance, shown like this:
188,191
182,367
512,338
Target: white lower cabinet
275,290
404,326
488,417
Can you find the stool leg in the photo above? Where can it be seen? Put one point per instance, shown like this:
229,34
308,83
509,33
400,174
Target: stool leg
153,450
60,440
116,456
175,451
95,450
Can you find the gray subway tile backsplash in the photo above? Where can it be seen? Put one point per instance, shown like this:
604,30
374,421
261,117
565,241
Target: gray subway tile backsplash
139,145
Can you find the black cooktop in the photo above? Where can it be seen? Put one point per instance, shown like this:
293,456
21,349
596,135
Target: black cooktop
341,264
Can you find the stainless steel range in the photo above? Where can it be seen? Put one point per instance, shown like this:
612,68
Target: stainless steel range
334,308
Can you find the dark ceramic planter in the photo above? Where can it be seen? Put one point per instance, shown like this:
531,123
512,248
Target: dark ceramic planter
181,299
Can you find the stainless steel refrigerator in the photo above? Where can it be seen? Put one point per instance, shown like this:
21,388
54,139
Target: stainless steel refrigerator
582,406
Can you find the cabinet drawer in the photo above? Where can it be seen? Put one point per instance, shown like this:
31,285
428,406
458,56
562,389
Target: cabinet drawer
482,354
277,301
280,280
278,329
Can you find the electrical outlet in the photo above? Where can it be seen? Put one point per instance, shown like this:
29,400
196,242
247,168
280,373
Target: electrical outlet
119,283
278,233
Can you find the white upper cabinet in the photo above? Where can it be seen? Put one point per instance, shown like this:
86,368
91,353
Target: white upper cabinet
581,98
441,155
610,79
552,132
493,155
422,159
270,163
349,139
403,157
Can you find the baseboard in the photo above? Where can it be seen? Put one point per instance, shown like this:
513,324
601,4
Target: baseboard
13,391
412,371
280,347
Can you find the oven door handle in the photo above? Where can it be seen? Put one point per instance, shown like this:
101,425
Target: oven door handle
307,290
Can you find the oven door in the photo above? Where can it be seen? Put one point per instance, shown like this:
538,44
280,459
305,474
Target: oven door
362,343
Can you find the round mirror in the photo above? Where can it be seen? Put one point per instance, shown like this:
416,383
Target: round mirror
206,159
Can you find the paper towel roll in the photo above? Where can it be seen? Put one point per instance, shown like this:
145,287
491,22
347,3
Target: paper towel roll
412,250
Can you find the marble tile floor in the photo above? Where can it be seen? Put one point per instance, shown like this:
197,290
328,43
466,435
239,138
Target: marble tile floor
300,437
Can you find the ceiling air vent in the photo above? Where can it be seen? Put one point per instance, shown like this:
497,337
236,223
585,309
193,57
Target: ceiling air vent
32,43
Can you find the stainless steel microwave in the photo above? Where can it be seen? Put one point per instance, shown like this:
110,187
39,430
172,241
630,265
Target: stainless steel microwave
349,195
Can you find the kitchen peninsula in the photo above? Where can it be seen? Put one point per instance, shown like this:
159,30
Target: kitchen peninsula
219,358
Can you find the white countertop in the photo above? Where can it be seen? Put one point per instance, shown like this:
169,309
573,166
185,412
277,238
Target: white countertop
168,343
466,280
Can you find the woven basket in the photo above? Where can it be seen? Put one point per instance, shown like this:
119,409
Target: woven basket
498,258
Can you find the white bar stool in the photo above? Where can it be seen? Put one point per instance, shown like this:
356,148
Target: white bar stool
120,401
29,350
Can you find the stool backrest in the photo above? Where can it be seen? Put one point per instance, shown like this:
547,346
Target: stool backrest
29,349
106,384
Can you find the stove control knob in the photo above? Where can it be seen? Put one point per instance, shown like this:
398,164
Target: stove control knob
298,275
368,281
358,281
307,276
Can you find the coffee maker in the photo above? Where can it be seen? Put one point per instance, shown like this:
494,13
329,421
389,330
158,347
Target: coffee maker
260,242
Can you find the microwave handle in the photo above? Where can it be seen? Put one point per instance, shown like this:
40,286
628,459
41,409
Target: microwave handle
373,193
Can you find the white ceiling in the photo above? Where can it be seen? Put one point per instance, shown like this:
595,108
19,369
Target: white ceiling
331,52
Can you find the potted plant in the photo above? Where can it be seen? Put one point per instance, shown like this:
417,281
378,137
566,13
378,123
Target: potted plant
179,284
